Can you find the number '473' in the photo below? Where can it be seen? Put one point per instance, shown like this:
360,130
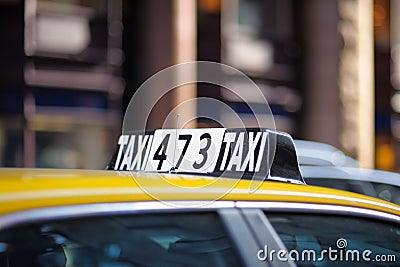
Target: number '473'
160,154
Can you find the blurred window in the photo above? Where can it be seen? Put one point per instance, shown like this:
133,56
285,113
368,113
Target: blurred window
140,240
320,232
257,34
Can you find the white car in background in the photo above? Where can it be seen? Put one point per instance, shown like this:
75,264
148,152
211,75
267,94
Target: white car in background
325,165
311,153
381,184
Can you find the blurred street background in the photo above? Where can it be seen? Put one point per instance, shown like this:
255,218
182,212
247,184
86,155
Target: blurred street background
329,69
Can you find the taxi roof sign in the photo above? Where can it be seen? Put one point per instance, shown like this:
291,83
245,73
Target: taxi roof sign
248,153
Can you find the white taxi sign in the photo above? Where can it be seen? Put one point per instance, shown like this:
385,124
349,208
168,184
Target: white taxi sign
242,152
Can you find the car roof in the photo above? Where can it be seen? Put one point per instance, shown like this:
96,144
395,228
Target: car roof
348,173
319,154
24,189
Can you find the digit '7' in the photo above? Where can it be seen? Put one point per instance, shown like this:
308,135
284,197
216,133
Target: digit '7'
186,137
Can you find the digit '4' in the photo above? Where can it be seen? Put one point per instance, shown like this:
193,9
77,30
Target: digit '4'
160,154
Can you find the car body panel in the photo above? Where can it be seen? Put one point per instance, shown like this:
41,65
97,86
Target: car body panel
24,189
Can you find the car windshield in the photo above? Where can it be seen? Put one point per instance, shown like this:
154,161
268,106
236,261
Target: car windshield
136,240
325,240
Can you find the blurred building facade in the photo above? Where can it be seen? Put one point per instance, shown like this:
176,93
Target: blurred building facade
61,83
327,68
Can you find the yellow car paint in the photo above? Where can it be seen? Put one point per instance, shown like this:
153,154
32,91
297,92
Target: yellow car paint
24,189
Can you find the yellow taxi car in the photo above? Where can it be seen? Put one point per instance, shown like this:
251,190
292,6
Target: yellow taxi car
131,218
